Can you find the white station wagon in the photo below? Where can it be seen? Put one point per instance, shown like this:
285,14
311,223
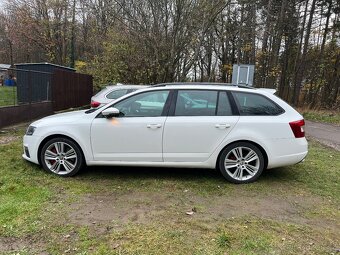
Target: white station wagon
240,131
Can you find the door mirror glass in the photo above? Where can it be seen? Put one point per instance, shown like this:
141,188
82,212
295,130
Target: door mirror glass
110,112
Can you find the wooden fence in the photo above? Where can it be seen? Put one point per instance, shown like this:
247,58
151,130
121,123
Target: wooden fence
11,115
70,90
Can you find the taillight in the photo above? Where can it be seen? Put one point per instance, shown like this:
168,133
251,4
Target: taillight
94,104
298,128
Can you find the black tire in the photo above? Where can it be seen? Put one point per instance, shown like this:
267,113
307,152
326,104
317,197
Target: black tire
65,164
241,166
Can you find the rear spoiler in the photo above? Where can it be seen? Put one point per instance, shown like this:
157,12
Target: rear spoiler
271,91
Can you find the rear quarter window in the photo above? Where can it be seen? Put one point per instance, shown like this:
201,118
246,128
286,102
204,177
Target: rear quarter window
251,104
117,94
101,92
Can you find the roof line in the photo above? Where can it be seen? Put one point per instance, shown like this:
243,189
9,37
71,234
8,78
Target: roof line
23,70
45,63
201,83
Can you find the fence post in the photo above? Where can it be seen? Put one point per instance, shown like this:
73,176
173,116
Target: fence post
14,94
30,94
48,90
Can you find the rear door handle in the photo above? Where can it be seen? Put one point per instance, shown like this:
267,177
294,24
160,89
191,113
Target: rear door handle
222,126
154,126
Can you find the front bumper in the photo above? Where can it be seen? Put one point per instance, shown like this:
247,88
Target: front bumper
31,146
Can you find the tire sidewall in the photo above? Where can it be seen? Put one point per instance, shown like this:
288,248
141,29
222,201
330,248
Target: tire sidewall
80,158
240,144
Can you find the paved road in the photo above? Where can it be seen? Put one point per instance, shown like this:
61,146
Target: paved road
325,133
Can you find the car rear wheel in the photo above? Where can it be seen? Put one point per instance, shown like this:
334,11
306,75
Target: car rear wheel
241,162
61,156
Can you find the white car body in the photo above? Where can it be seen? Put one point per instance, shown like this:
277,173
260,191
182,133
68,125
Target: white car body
112,92
172,141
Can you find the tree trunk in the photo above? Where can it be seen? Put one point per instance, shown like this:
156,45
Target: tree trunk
297,58
10,47
263,68
327,86
271,81
301,68
73,37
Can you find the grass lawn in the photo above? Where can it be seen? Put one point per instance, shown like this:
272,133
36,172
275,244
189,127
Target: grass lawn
110,210
7,95
332,117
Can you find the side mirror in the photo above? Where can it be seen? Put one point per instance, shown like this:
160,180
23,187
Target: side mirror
110,112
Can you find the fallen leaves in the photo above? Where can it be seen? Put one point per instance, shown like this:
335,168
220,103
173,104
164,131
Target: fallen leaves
192,211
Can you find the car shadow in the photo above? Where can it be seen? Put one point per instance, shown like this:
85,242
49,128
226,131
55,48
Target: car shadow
283,174
150,172
278,174
189,174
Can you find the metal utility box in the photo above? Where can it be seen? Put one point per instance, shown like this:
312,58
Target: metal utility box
34,81
4,71
243,75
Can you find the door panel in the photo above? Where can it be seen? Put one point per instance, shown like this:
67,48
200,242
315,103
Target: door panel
136,135
202,119
193,139
127,139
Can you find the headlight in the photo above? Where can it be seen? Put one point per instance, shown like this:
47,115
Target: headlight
30,130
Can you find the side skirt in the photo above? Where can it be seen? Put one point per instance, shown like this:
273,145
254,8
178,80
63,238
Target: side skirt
206,164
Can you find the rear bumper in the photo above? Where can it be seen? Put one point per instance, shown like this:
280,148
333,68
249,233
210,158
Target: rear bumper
288,160
290,152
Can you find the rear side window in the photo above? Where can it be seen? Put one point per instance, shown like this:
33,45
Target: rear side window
253,104
202,103
117,94
196,103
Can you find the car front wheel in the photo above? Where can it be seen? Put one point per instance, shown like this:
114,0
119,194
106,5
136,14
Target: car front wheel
61,156
241,162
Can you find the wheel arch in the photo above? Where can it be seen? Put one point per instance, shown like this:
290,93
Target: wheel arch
265,155
50,137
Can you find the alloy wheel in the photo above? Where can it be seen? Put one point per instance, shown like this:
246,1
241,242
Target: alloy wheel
60,158
242,163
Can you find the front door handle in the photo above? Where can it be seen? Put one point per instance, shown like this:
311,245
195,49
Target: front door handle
222,126
154,126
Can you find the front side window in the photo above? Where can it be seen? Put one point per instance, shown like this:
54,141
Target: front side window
117,94
196,103
148,104
254,104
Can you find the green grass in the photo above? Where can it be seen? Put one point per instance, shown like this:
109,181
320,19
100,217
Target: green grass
8,96
35,209
257,236
332,117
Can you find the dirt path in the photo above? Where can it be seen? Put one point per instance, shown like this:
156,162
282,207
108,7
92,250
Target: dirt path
146,207
324,133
